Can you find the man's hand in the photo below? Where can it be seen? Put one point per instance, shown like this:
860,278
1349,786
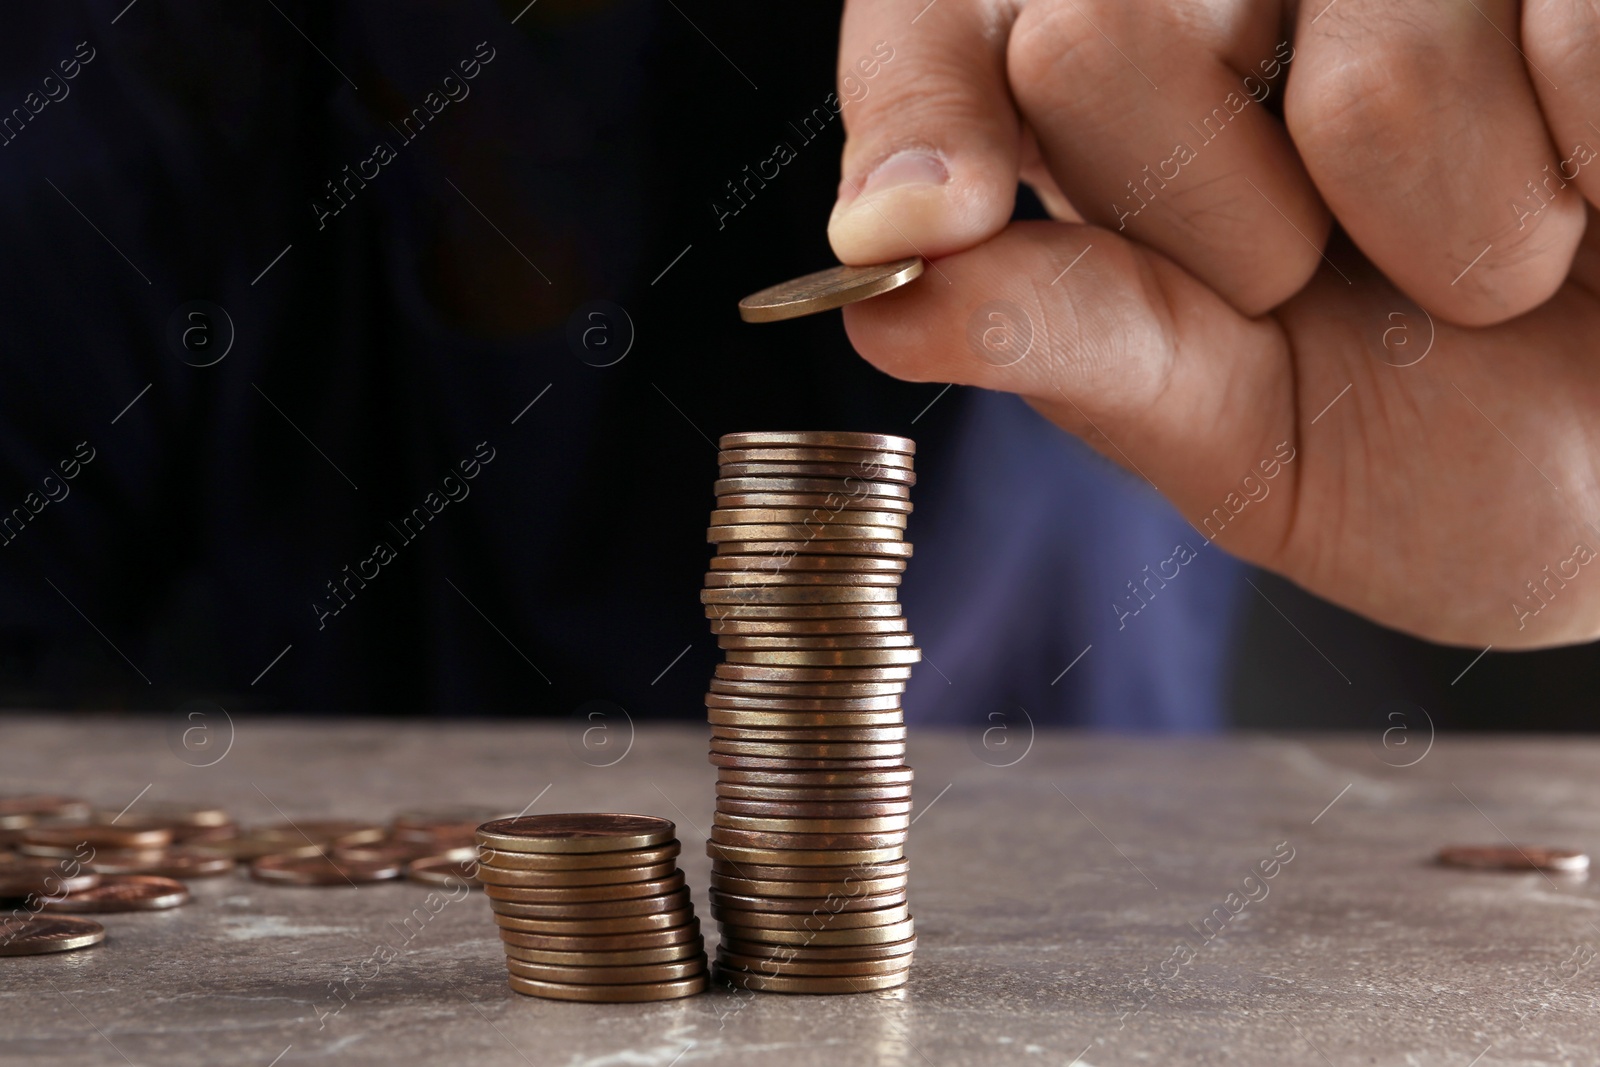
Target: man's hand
1438,391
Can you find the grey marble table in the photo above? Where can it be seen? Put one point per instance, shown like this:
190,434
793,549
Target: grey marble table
1072,907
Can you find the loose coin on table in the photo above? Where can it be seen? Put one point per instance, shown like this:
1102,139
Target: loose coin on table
1514,858
124,892
38,935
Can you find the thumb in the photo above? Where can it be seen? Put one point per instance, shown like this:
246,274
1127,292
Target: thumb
1118,345
931,155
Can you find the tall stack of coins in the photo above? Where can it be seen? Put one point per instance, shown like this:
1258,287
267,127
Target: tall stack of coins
592,907
813,796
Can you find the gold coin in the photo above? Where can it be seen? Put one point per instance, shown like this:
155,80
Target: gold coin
765,579
610,994
790,750
575,861
825,657
825,904
798,454
599,975
800,707
803,809
865,471
798,794
569,894
852,891
802,532
811,983
828,779
783,824
851,488
778,627
742,672
327,833
620,958
821,953
891,548
814,642
812,734
830,969
777,839
490,874
576,833
802,857
722,614
869,935
766,564
37,935
786,721
882,442
789,763
444,870
832,691
180,861
812,518
322,870
21,810
97,835
637,941
128,892
895,868
767,674
600,909
830,501
813,921
824,290
1514,858
602,925
170,814
801,594
840,887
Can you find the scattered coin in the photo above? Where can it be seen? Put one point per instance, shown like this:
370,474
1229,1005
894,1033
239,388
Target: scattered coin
321,833
322,870
179,861
97,835
36,935
1514,858
124,892
444,870
822,291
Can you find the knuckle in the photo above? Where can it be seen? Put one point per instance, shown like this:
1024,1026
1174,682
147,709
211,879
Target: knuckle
1357,103
1052,45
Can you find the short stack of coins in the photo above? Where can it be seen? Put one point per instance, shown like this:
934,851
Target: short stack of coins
592,907
809,872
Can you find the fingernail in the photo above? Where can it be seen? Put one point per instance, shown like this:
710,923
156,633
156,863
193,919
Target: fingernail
907,188
912,166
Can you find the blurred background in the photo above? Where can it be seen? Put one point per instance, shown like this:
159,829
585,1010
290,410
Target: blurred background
365,358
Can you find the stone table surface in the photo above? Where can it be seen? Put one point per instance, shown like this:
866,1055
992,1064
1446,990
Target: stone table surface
1072,907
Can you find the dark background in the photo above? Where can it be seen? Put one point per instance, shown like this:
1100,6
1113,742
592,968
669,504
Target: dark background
419,321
